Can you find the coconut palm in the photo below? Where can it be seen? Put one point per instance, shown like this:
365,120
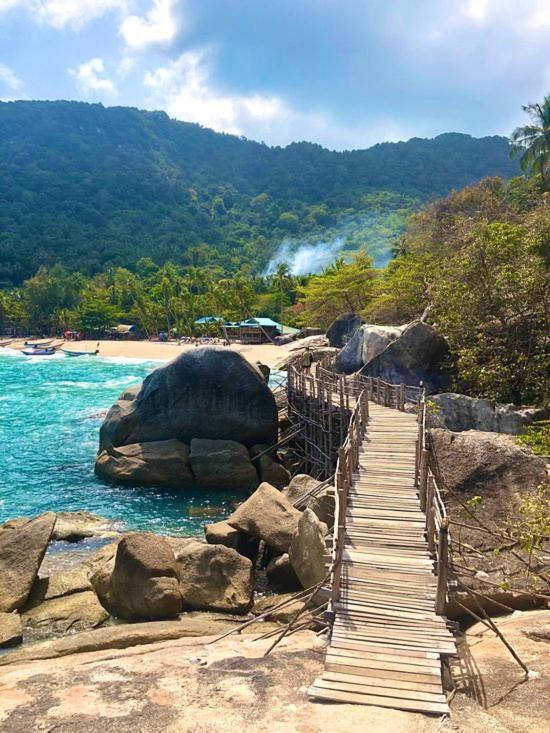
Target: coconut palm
532,142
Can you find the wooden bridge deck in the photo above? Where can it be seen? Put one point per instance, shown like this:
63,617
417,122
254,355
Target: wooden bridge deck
387,640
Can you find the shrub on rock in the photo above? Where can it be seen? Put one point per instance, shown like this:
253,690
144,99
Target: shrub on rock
267,515
162,462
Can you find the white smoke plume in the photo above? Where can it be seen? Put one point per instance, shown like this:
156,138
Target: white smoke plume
305,259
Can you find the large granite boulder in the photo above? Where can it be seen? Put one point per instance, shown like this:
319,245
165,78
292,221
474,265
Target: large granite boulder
458,412
160,462
299,487
222,464
57,585
268,467
222,533
210,392
21,553
420,354
214,578
485,463
268,516
365,344
322,504
307,550
143,582
343,328
11,629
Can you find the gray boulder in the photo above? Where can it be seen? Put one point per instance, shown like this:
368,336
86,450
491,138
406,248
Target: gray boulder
214,578
458,412
268,468
143,583
281,575
21,553
222,464
307,549
420,354
485,463
210,392
268,516
222,533
161,463
343,328
366,343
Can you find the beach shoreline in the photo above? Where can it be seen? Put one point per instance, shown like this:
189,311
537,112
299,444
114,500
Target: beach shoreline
269,354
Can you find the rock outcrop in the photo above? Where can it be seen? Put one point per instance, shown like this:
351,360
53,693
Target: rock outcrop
214,578
420,354
143,583
366,343
458,412
72,526
307,549
74,612
485,462
21,553
209,393
268,516
11,629
222,464
161,462
222,533
343,328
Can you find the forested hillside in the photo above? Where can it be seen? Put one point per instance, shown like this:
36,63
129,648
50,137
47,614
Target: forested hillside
95,187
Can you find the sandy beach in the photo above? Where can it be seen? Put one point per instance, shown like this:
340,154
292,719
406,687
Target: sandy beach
266,353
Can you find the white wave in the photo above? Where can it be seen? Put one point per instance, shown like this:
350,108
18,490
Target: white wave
7,351
120,382
131,360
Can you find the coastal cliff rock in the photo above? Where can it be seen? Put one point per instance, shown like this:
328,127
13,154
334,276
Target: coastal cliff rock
307,550
366,343
209,393
161,462
481,462
419,354
21,553
214,578
268,516
343,328
222,464
222,533
458,412
143,583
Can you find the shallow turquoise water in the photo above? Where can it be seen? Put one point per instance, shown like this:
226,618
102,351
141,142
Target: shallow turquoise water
51,409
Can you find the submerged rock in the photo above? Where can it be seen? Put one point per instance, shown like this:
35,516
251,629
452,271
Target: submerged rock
21,553
142,583
267,515
11,629
161,462
458,412
343,328
214,578
222,464
210,393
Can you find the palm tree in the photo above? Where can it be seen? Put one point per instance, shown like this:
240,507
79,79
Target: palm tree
532,142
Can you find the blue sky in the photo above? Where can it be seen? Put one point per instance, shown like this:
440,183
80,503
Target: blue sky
344,73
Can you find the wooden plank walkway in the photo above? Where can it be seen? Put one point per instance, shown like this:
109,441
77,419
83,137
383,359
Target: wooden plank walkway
386,643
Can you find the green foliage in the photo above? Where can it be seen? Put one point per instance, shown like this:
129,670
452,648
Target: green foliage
97,188
532,142
530,526
537,437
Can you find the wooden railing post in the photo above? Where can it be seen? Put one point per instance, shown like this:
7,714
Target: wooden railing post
401,405
442,567
423,478
430,515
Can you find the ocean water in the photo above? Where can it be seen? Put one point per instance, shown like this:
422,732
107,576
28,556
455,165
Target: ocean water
51,409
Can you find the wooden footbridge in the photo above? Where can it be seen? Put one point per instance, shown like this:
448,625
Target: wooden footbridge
387,556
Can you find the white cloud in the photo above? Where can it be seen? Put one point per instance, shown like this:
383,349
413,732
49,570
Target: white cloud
62,13
158,26
9,78
89,78
184,88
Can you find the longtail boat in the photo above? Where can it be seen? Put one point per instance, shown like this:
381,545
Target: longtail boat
36,351
70,352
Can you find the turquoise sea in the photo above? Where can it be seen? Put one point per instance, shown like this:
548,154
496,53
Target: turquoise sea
51,409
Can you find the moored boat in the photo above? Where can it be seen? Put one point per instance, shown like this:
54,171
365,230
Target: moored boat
49,351
70,352
38,344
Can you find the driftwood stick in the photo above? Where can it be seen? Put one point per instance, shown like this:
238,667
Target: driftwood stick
485,598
